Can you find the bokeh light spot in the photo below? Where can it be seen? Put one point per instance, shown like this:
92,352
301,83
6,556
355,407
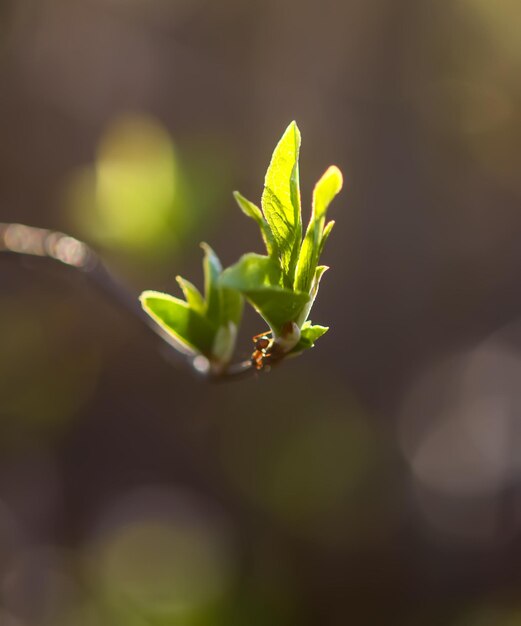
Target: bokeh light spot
133,197
163,555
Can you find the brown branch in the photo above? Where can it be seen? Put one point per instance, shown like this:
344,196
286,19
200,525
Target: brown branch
40,242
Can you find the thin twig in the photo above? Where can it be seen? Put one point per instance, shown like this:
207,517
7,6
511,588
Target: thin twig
40,242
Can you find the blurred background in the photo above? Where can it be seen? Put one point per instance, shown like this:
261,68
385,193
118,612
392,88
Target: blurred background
375,480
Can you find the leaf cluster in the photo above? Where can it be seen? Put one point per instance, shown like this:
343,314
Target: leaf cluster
281,285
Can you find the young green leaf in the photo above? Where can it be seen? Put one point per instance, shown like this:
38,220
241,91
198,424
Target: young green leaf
281,200
206,326
277,305
258,278
319,272
251,271
325,190
253,211
328,186
222,348
309,334
193,295
325,235
232,304
191,329
308,258
212,269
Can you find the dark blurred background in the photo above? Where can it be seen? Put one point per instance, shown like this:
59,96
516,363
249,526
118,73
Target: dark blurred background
375,480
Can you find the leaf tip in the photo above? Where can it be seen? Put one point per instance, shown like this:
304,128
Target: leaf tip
209,253
292,130
335,173
145,295
293,127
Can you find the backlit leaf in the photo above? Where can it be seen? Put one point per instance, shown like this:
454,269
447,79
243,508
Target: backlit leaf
325,234
251,271
325,190
276,305
232,304
319,272
257,277
253,211
192,294
212,269
176,317
309,334
281,200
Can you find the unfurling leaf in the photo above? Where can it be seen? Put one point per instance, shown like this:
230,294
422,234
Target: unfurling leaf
191,329
281,200
250,272
319,272
192,295
328,186
258,277
277,306
212,269
253,211
325,190
309,334
325,235
232,304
